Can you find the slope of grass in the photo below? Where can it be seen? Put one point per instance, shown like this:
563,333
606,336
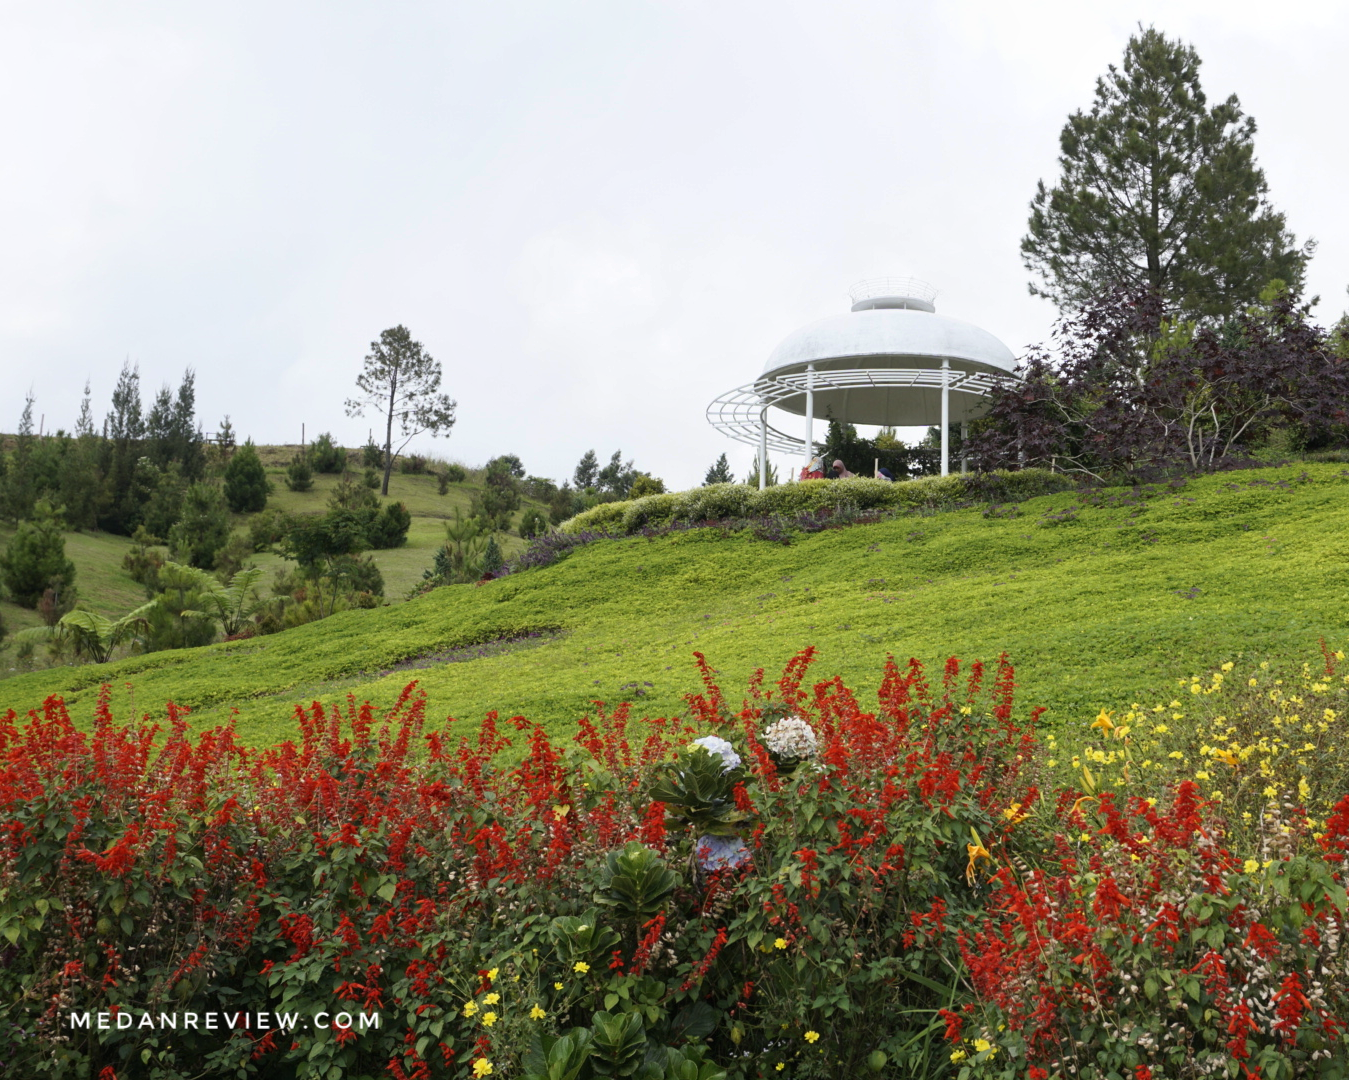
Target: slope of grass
106,588
1096,605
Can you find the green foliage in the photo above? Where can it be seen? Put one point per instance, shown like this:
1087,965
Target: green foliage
646,484
587,471
246,483
1159,192
453,473
389,527
268,528
97,637
724,501
533,522
500,496
299,474
35,560
492,560
372,457
179,618
326,456
353,494
203,528
635,882
719,473
460,558
412,465
699,793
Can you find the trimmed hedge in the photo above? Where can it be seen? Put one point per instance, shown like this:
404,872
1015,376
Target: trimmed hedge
717,502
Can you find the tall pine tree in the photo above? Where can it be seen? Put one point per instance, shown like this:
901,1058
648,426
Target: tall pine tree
1159,192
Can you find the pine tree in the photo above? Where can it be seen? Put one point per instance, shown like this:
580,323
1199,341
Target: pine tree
246,485
1159,192
587,471
719,473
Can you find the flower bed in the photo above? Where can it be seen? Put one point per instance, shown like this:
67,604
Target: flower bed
814,888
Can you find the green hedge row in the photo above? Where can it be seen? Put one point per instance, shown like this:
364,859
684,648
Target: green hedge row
717,502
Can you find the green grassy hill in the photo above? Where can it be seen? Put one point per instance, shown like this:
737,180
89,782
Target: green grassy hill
1098,601
106,588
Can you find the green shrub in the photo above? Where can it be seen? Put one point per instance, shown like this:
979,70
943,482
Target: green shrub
372,456
455,473
326,456
389,527
533,523
492,560
412,465
35,560
246,483
646,484
717,502
299,475
204,527
268,528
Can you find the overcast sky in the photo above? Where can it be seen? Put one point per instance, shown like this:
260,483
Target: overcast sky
596,215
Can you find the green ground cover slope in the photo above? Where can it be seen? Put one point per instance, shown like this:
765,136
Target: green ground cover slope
105,586
1099,600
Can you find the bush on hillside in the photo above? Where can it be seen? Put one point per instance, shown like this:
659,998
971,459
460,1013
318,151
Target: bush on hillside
372,456
204,527
246,483
299,474
810,885
412,465
35,560
389,527
717,502
533,522
326,456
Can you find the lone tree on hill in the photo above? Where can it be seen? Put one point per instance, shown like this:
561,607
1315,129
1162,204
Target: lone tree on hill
1159,193
402,382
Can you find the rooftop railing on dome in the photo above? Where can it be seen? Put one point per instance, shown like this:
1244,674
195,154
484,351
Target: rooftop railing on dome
873,288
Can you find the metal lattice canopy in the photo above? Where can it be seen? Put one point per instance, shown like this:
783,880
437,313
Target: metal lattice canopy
891,361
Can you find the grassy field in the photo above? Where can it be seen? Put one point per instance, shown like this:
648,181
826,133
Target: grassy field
1099,602
106,588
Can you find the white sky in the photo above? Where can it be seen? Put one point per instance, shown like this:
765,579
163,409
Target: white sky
597,215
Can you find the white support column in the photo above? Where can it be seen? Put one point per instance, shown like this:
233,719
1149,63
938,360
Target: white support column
964,454
945,417
810,412
763,448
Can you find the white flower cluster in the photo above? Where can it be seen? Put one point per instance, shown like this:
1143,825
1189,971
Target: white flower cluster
791,737
720,748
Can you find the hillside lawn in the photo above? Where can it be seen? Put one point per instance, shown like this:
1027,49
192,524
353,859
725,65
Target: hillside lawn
1102,605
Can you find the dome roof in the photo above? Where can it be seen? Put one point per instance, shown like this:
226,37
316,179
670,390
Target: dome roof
890,337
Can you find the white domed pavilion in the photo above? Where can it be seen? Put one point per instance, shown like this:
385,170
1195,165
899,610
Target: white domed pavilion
890,361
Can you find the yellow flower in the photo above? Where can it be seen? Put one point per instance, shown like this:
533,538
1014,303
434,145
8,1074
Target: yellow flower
958,1055
1201,775
559,812
812,1036
482,1067
580,967
536,1013
557,986
980,1045
492,975
780,1066
491,999
1228,666
976,850
470,1008
1251,866
1304,789
780,943
488,1019
1103,722
1271,792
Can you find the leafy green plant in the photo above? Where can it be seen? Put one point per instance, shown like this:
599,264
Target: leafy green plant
204,527
35,560
246,484
635,882
299,474
326,456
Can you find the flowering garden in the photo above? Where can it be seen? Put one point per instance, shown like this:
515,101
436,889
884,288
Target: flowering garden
812,881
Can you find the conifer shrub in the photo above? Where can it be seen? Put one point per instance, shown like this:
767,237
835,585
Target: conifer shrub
299,474
326,456
246,483
35,560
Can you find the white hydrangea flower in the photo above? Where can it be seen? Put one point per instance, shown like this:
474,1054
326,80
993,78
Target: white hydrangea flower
791,737
720,748
721,852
